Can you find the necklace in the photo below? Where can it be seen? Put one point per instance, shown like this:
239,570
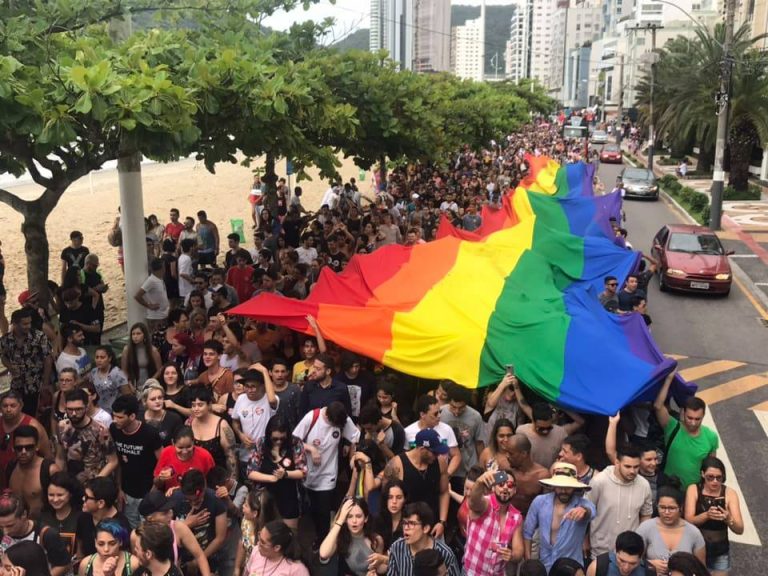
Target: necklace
264,567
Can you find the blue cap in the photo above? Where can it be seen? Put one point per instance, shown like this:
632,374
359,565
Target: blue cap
430,439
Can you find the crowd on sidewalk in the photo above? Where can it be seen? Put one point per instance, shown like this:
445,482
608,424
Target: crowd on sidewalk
212,444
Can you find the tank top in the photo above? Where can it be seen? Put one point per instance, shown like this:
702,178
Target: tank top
421,486
213,445
356,558
126,565
59,415
715,532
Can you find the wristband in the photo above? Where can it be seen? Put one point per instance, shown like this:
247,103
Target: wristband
339,525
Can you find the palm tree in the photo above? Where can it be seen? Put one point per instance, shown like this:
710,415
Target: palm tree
687,76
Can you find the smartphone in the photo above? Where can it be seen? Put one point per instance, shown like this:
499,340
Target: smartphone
510,369
500,477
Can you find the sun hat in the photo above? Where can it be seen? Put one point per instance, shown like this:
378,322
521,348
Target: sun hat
564,475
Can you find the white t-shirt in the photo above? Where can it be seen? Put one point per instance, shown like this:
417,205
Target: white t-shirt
330,198
253,417
184,265
154,293
81,362
103,417
325,438
231,362
306,255
445,432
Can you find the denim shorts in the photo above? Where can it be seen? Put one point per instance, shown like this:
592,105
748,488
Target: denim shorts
720,563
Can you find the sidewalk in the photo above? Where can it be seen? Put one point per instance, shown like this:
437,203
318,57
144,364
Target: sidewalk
745,231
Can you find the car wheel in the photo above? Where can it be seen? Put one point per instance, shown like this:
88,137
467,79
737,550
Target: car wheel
662,283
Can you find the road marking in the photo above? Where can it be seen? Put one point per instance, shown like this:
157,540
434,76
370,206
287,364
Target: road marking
676,356
733,388
762,407
755,304
749,536
708,369
743,256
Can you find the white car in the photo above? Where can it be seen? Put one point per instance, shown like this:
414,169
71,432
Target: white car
599,137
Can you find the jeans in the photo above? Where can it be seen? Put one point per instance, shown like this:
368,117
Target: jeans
320,508
131,510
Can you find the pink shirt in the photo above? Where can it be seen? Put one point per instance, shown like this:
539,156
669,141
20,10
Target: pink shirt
259,566
485,536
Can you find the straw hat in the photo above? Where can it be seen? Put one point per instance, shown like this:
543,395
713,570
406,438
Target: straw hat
564,475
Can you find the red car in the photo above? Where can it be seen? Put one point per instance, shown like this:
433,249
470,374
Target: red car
692,259
611,154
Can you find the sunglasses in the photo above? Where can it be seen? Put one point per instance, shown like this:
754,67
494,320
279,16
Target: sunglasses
612,284
24,448
713,477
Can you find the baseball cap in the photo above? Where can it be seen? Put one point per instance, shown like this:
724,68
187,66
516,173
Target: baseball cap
153,502
430,439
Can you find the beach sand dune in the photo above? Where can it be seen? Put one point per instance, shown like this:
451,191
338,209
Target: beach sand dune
90,205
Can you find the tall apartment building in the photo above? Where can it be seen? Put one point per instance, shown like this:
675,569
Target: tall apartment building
573,26
529,50
542,36
467,50
518,53
755,14
432,35
614,11
392,27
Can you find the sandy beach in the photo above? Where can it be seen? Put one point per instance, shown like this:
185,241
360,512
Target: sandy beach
90,205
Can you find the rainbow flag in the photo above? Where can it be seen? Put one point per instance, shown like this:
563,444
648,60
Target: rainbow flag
462,309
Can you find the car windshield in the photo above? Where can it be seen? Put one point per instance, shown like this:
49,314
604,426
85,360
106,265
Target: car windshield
599,133
695,243
611,148
637,175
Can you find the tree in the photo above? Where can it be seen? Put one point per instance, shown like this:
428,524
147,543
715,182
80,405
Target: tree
686,109
71,97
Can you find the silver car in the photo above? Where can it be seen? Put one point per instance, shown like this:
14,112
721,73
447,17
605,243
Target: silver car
640,183
599,137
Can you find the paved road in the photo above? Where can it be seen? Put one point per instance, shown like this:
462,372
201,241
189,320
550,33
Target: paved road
721,344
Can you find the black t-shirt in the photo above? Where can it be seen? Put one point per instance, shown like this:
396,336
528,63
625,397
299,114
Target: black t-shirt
86,531
167,427
136,454
67,527
75,256
172,571
85,314
204,533
337,261
171,283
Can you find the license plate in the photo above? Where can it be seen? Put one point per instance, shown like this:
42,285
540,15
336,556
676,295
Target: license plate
700,285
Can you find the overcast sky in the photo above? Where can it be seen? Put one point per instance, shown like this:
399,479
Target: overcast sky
348,14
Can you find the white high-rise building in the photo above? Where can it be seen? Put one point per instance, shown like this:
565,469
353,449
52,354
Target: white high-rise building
392,27
518,53
467,50
542,36
529,51
573,26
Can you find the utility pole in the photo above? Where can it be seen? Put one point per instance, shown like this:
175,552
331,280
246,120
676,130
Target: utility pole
621,87
722,101
651,129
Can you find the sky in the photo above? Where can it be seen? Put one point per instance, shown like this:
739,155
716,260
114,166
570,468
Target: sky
348,14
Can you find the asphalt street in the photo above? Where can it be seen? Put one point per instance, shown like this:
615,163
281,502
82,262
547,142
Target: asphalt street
720,344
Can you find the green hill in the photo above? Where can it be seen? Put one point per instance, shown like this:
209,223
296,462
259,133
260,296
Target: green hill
358,40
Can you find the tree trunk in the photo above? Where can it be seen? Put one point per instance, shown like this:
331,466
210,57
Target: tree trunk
270,181
743,138
37,250
706,159
383,172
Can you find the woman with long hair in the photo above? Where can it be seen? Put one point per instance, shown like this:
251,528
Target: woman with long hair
140,360
685,564
155,414
279,463
669,532
714,508
172,381
276,553
108,380
259,508
65,505
25,558
494,456
351,539
389,523
112,557
173,347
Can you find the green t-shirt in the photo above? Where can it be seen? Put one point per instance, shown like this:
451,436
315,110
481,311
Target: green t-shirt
687,452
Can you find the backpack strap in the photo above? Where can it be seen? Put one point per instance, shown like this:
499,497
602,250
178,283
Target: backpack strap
603,563
315,416
669,442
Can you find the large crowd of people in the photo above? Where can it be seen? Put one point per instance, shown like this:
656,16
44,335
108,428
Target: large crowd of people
213,444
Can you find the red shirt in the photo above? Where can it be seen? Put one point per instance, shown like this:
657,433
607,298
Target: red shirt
242,281
174,230
201,460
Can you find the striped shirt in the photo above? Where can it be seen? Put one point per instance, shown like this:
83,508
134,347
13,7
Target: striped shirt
401,559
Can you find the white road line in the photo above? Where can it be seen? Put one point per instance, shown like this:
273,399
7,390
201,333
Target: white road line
750,533
743,256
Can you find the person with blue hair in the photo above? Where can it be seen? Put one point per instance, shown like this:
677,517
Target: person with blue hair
112,556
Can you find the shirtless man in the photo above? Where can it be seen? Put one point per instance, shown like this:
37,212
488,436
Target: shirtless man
527,473
29,474
11,406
